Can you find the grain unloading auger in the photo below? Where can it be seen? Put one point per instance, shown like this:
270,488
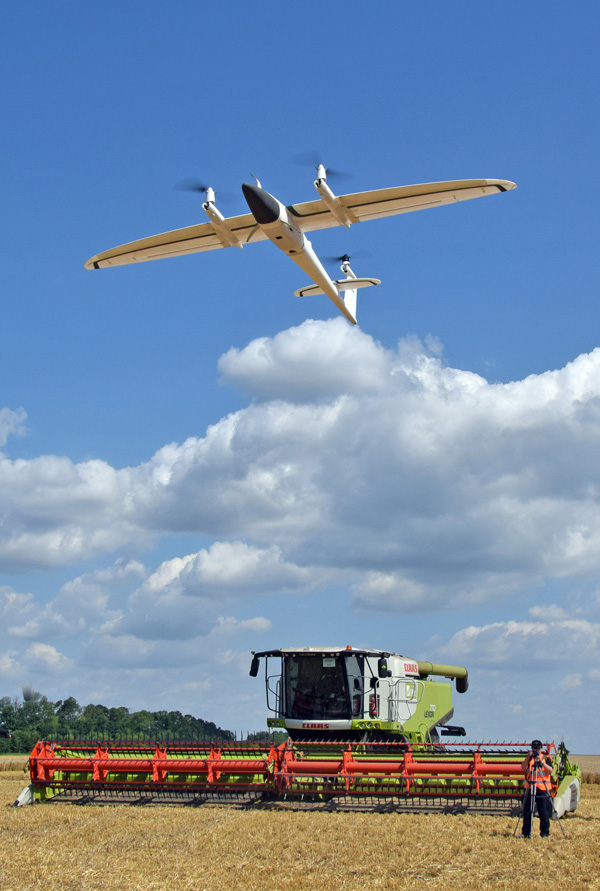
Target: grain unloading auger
366,727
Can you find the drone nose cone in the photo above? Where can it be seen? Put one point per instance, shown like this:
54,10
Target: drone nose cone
265,209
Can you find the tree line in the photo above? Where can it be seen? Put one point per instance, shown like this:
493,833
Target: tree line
39,718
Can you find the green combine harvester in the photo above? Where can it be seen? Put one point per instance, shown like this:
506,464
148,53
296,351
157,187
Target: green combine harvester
365,728
319,693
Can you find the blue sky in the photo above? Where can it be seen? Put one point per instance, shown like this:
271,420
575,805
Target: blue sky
195,463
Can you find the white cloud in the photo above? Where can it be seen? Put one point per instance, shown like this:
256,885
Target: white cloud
388,591
354,459
429,476
81,604
529,645
294,366
44,657
228,625
14,606
183,598
11,423
237,567
8,665
570,682
537,675
548,612
124,614
58,513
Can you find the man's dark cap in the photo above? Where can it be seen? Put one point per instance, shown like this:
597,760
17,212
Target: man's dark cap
536,744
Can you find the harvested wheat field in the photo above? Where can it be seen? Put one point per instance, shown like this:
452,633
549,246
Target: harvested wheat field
214,848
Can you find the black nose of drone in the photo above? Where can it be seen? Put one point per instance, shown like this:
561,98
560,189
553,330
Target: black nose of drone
265,208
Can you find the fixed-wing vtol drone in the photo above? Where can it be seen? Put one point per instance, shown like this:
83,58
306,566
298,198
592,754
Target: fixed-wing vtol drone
286,227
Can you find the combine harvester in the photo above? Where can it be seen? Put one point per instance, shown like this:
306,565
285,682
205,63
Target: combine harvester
366,728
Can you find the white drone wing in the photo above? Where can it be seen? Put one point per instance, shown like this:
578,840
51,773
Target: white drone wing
402,199
190,240
310,215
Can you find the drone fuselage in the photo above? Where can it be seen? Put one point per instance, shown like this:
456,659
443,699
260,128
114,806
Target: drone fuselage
280,227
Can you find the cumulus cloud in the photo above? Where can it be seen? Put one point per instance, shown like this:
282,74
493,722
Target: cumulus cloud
14,606
182,599
44,657
528,645
234,567
425,476
56,513
570,682
11,423
415,482
127,617
228,625
539,674
8,665
294,366
82,605
388,591
548,612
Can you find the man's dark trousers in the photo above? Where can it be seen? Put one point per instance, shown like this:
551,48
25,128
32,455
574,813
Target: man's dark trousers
544,809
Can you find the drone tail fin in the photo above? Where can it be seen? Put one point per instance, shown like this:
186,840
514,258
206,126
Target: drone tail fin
349,296
347,289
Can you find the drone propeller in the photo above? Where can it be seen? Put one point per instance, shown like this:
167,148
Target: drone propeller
345,258
313,159
191,185
195,185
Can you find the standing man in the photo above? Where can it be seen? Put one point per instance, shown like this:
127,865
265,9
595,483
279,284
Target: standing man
538,774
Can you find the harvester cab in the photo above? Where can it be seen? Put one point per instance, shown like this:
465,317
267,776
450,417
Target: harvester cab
347,693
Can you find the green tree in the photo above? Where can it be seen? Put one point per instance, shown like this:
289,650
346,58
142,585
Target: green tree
118,722
39,718
141,723
68,714
94,721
